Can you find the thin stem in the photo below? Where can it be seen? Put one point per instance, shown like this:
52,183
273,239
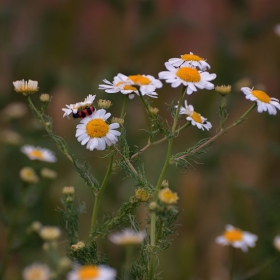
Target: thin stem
123,107
46,126
221,132
159,182
99,195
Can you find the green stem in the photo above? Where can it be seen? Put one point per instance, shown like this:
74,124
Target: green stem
99,195
159,182
11,232
46,126
123,107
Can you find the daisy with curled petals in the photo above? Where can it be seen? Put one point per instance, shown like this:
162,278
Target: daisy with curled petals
237,238
264,102
95,132
188,76
119,85
92,272
195,118
38,153
25,87
190,60
74,108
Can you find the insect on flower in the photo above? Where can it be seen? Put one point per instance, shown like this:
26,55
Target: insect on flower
84,113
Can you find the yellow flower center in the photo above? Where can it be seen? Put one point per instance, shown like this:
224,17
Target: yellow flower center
97,128
88,272
128,87
139,79
196,117
37,154
167,196
35,274
191,57
261,95
188,74
233,235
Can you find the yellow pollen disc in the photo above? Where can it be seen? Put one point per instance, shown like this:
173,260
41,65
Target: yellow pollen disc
139,79
127,87
196,117
37,154
261,95
188,74
97,128
191,57
88,272
233,235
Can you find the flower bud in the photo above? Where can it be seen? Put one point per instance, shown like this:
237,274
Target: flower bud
142,195
104,104
28,175
223,90
44,97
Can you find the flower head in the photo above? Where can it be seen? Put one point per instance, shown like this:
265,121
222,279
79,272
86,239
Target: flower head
74,108
264,102
190,60
237,238
131,85
25,87
38,153
48,173
49,233
128,237
223,90
195,118
37,271
28,175
92,272
188,76
95,132
167,196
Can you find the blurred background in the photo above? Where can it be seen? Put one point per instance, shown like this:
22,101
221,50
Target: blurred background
69,47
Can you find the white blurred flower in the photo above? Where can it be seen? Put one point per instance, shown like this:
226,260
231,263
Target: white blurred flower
49,233
38,153
37,271
128,237
237,238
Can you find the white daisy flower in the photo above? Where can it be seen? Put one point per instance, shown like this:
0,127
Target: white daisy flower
195,118
74,108
190,60
37,271
38,153
188,76
25,87
237,238
120,85
95,132
264,102
92,272
128,237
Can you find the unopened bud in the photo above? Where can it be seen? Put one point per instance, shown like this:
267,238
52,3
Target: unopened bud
223,90
68,190
118,120
153,206
104,104
142,195
153,110
44,97
165,184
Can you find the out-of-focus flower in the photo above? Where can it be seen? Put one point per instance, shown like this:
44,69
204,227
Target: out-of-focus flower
187,76
276,242
48,173
68,190
49,233
14,110
167,196
38,153
128,237
223,90
35,226
10,137
237,238
195,118
165,183
78,246
95,132
264,102
190,60
277,29
74,108
153,110
104,104
25,87
120,121
28,175
142,195
37,271
92,272
44,97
